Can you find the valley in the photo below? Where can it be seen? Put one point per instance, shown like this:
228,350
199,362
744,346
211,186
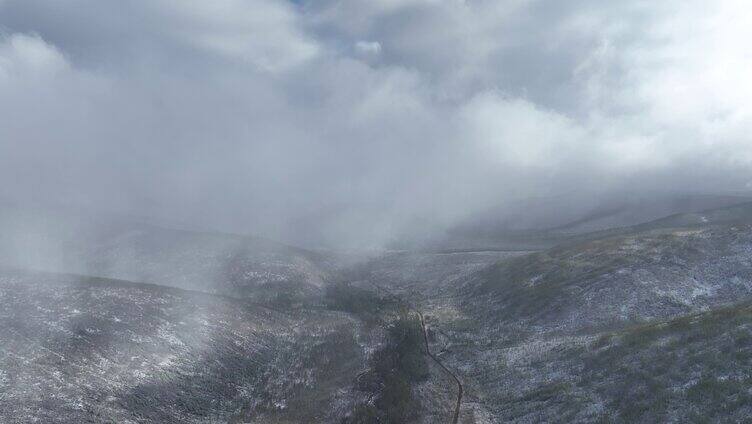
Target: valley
232,329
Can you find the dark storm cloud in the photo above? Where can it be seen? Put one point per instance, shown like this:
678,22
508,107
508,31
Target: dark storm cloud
355,121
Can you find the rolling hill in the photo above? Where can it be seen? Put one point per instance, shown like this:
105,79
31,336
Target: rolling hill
82,349
541,223
577,332
120,248
648,323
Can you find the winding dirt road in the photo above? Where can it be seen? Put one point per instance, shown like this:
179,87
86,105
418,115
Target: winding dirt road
456,416
460,389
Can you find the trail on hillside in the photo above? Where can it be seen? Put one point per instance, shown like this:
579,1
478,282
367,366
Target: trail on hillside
456,416
460,388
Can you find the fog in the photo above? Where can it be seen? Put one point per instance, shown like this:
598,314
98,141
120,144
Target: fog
338,124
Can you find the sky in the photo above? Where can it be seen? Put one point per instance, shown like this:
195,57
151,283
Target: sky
332,121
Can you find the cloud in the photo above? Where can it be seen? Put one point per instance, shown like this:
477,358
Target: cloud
261,32
368,47
333,121
28,55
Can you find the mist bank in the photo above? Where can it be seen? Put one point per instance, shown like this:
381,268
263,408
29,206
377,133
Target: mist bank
325,124
150,249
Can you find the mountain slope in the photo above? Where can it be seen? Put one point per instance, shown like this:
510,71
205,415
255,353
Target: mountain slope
690,369
238,266
113,247
643,276
541,223
78,349
564,334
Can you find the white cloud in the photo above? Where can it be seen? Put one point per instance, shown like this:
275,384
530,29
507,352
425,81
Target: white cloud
262,32
257,114
518,134
368,47
28,55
